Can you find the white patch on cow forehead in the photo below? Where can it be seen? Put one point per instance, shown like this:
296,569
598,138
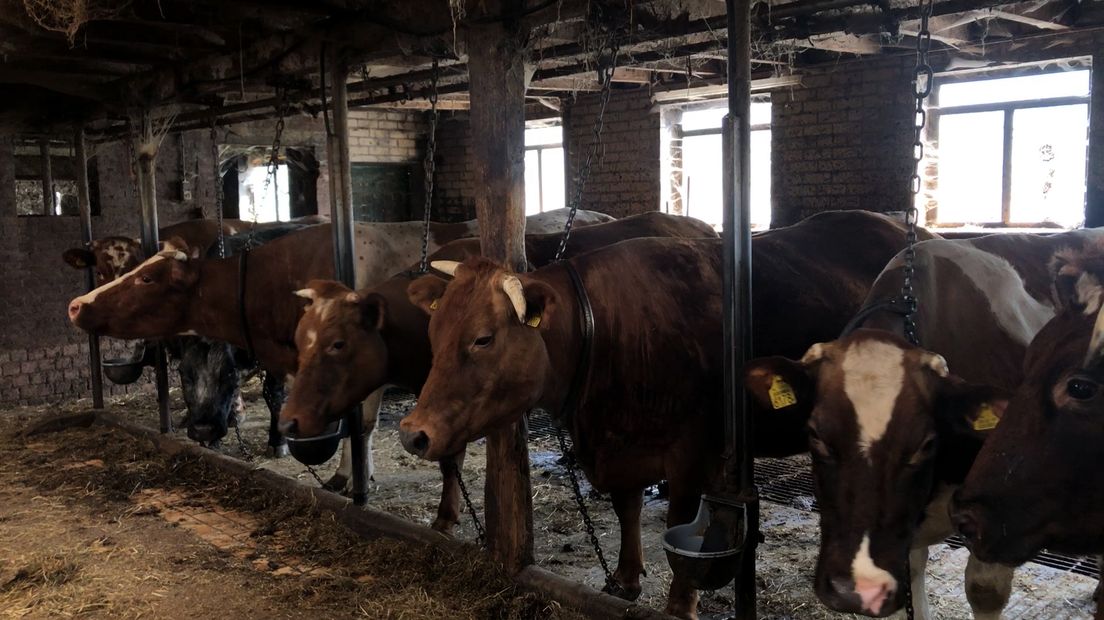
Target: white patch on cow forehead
312,337
90,297
863,567
873,374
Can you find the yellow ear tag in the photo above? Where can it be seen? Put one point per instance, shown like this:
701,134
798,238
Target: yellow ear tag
534,321
433,306
986,419
781,394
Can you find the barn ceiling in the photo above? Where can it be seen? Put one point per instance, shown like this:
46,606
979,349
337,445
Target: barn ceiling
98,61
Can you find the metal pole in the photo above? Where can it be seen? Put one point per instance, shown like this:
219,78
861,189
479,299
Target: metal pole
739,470
80,160
147,193
47,178
344,267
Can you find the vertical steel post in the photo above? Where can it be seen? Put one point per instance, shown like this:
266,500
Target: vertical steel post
737,293
147,193
47,178
344,267
80,161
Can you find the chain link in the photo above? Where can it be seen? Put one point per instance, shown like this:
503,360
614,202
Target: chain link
923,82
273,164
429,166
219,197
569,462
480,533
605,81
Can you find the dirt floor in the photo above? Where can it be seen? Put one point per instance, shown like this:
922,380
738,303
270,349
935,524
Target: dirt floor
409,487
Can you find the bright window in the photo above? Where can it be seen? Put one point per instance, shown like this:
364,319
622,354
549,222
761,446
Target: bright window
1012,151
544,169
695,179
262,199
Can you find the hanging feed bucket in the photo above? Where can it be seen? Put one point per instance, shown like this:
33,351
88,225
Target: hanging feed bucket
320,448
707,550
123,370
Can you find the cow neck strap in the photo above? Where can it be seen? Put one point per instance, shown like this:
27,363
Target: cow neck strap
895,305
582,368
243,272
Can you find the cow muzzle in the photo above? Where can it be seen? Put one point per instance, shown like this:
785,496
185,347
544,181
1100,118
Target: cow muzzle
75,308
875,598
415,442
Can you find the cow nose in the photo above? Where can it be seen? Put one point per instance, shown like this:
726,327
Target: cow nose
289,427
965,523
416,443
873,593
74,309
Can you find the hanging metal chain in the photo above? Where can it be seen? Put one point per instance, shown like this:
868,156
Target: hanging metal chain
923,82
273,163
612,586
606,67
481,535
219,197
430,165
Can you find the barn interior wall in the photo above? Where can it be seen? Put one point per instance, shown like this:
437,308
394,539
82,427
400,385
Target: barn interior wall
454,175
1094,186
842,140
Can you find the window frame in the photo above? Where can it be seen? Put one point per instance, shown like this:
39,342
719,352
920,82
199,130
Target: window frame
1008,108
540,148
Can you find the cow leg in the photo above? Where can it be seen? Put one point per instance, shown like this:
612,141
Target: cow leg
275,393
918,566
342,479
630,560
448,511
682,598
988,587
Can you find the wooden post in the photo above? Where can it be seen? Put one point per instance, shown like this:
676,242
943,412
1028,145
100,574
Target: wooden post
47,178
145,150
739,462
341,181
1094,186
496,66
80,160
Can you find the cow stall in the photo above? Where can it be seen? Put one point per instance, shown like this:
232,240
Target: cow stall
396,114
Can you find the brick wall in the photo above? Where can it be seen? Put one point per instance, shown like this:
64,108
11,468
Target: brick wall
379,136
627,180
454,177
843,140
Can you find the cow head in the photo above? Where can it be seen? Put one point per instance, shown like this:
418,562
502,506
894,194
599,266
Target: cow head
111,257
149,302
490,363
880,411
208,382
1036,482
342,357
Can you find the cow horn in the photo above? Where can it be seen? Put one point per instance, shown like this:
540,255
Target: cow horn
447,267
173,253
516,293
936,363
1096,343
814,354
352,297
307,293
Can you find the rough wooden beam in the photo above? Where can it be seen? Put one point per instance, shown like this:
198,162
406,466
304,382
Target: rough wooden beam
1042,24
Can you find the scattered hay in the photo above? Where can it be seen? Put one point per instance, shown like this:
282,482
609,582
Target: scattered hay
68,16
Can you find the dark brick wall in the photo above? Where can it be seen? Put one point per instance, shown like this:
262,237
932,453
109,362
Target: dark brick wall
627,179
843,140
454,179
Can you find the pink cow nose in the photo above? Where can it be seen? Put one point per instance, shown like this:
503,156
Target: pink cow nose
874,594
74,309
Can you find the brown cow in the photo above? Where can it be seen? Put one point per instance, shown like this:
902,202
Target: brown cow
1036,482
650,408
352,345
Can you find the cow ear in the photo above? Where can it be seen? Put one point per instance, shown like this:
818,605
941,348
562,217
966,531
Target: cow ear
779,384
373,309
79,258
425,291
971,409
541,301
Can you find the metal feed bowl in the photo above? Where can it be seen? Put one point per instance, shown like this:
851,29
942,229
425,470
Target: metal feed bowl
707,550
320,448
122,371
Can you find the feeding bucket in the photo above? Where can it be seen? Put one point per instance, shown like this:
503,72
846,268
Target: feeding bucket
707,550
320,448
124,371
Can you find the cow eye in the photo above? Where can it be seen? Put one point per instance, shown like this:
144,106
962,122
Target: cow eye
924,452
337,345
483,341
818,447
1080,388
145,279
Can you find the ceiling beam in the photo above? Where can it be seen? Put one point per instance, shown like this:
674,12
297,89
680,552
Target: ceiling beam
1042,24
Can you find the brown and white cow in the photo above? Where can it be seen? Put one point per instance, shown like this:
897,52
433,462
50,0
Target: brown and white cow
1036,483
504,343
892,432
177,292
354,345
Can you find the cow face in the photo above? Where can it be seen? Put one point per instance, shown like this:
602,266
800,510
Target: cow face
879,410
208,383
110,257
490,363
342,357
149,302
1036,482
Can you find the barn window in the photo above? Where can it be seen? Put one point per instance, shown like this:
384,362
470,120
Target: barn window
32,174
694,153
1011,151
544,167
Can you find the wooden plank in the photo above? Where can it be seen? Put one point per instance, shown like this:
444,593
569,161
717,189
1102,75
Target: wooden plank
496,67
